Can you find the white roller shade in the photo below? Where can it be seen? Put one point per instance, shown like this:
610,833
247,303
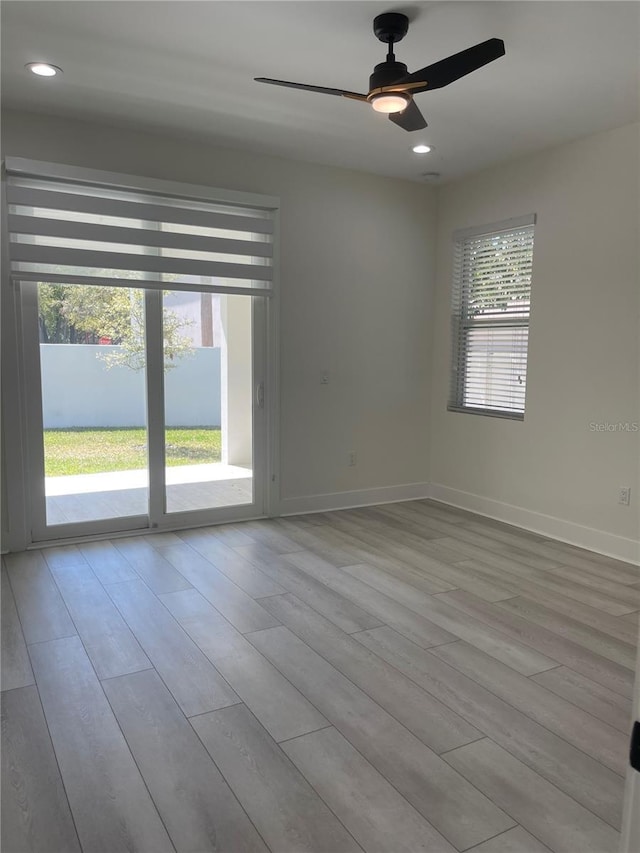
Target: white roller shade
490,319
70,232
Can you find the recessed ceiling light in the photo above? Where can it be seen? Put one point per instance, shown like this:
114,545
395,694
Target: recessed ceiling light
43,69
421,148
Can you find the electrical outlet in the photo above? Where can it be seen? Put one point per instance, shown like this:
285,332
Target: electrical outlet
624,496
324,377
353,459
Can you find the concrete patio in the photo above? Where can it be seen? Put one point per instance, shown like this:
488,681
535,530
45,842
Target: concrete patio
88,497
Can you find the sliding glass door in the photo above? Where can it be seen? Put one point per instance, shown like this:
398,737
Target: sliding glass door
142,312
149,411
208,401
92,392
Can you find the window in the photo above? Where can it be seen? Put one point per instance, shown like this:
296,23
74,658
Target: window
490,318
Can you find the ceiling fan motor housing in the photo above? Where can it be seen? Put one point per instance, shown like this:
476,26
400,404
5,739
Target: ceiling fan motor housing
390,26
386,74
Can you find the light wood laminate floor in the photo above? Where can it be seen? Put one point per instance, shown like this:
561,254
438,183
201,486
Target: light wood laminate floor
395,679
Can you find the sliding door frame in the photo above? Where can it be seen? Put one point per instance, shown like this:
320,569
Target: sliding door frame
34,422
263,406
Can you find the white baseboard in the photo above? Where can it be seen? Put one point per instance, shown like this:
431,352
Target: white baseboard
619,547
351,500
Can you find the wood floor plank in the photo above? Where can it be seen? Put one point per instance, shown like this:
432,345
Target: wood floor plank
437,509
196,805
63,555
15,669
111,646
320,539
626,594
544,811
43,614
281,709
382,539
570,555
429,509
230,562
231,534
268,534
240,609
577,774
411,533
516,840
547,580
612,675
161,540
427,718
616,626
35,810
391,583
195,684
478,546
501,551
457,577
371,809
613,709
107,562
149,564
339,610
488,525
421,571
457,810
520,539
592,736
595,556
389,612
520,657
288,813
110,803
589,637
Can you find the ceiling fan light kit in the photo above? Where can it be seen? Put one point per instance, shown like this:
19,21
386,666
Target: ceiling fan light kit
393,102
392,88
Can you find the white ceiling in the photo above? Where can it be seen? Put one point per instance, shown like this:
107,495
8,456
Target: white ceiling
571,69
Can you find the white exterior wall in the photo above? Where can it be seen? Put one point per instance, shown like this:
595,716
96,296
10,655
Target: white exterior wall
79,390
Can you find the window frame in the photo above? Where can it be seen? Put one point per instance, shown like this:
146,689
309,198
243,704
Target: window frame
461,324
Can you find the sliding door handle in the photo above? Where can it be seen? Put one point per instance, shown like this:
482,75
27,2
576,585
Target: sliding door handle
260,395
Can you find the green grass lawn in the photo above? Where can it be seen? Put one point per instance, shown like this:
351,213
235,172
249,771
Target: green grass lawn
95,451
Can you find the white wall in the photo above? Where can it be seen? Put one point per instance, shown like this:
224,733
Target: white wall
356,261
583,347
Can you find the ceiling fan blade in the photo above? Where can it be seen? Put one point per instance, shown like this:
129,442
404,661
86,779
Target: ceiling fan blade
454,67
322,89
410,118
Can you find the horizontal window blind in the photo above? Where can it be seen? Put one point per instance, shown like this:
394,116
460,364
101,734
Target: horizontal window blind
490,320
76,233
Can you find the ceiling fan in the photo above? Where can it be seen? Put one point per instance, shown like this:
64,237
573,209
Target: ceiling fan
391,88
